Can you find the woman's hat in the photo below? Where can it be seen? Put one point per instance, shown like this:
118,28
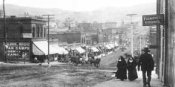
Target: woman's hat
146,49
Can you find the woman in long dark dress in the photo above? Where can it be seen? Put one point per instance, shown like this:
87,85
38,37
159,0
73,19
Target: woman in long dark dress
121,69
131,66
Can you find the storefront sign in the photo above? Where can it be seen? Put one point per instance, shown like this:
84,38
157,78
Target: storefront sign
27,35
17,49
153,46
149,20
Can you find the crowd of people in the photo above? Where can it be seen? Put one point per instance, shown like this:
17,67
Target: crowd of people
126,67
90,56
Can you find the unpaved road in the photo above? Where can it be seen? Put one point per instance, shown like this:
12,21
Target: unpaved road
54,76
59,75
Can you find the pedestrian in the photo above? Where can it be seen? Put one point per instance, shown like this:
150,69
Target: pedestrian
36,60
121,69
126,56
131,66
147,66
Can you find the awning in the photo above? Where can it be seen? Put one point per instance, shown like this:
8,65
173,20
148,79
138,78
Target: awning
41,48
80,50
64,51
111,45
94,49
107,46
37,51
57,49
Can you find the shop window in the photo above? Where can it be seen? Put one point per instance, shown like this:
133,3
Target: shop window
21,29
44,31
38,30
41,31
33,31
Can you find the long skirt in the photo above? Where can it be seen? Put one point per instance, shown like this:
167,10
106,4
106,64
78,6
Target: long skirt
121,74
132,74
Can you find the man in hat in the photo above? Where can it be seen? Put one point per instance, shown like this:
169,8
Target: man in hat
147,65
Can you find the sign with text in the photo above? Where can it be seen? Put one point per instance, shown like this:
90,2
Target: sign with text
149,20
153,46
17,50
27,35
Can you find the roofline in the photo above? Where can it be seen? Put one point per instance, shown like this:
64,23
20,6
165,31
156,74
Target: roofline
29,18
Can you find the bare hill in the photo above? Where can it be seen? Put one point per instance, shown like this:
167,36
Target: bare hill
103,14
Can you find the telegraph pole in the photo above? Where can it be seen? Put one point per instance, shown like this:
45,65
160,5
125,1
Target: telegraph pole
166,44
5,33
48,19
132,37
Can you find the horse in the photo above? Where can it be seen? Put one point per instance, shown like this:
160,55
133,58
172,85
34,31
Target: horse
75,60
96,62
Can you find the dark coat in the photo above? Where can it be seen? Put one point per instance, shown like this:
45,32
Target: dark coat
132,72
122,67
146,62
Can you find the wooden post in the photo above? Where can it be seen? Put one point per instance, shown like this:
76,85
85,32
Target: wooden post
48,18
166,44
5,33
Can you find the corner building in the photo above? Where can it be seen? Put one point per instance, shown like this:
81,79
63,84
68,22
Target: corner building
21,33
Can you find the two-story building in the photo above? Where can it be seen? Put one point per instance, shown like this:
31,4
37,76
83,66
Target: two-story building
21,35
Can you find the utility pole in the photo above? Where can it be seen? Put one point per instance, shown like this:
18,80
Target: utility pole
48,21
132,37
5,33
166,30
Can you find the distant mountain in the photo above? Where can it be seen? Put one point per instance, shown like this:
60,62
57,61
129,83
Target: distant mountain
100,15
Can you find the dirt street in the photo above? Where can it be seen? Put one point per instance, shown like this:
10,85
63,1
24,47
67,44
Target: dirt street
57,75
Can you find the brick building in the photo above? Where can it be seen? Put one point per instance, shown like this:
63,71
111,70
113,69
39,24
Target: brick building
66,37
21,33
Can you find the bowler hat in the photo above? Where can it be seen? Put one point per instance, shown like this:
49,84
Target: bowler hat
146,49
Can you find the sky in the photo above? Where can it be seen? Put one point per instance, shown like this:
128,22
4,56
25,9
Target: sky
77,5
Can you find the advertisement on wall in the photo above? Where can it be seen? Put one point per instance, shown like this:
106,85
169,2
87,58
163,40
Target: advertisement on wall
19,50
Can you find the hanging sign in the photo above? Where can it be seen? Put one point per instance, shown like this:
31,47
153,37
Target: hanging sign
149,20
27,35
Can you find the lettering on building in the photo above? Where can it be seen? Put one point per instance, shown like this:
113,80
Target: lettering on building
149,20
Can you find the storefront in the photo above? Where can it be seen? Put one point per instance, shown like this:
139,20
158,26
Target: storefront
40,50
16,41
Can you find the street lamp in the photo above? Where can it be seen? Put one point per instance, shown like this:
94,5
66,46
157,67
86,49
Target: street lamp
132,37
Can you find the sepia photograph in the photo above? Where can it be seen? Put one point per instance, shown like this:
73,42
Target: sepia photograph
87,43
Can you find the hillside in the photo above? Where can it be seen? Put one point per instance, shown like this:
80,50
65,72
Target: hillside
100,15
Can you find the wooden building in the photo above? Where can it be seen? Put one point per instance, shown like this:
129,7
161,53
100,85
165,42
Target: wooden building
167,42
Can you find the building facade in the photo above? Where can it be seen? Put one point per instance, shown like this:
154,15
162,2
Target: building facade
167,42
20,32
66,37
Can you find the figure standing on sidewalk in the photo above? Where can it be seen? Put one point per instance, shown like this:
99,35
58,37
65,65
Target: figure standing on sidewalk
131,66
121,69
147,65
